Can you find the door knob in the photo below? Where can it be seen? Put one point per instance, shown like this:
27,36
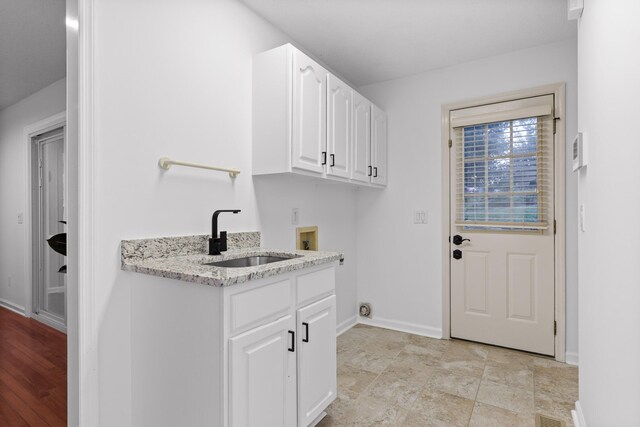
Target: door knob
457,239
457,254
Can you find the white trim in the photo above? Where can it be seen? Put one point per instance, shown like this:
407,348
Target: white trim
87,325
558,90
31,131
571,358
578,416
396,325
12,307
49,322
346,325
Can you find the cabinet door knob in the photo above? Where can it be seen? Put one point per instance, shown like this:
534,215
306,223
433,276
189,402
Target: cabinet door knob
293,341
324,157
375,172
333,160
306,332
370,167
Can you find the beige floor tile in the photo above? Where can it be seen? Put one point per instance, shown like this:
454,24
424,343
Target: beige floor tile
472,351
338,412
555,369
462,364
512,357
370,411
436,408
512,374
449,382
352,382
491,416
514,399
558,409
555,388
411,368
369,359
391,389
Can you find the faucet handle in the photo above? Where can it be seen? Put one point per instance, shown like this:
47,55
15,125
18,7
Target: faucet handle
223,241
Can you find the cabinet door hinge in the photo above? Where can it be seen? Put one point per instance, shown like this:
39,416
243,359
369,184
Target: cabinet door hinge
555,328
450,143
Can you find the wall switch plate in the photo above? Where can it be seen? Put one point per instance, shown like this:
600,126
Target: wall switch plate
295,216
420,217
20,217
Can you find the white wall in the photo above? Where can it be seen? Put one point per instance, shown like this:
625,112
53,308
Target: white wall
174,79
609,87
399,263
13,177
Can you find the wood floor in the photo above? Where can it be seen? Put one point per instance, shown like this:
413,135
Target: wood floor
33,372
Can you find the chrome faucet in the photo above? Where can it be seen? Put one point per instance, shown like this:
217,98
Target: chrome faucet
218,244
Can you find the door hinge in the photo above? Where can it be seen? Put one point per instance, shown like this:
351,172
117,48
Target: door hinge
555,226
555,328
450,143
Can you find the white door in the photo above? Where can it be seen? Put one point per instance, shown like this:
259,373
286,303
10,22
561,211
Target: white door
502,233
49,296
378,146
316,358
361,139
338,127
262,377
309,114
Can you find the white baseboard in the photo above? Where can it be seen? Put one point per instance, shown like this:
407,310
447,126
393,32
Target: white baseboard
578,416
346,325
51,323
13,307
397,325
571,358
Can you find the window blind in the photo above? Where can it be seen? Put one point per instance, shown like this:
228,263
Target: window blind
504,170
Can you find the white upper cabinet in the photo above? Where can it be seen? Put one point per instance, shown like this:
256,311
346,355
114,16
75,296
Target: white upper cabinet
307,121
378,146
309,137
338,127
361,139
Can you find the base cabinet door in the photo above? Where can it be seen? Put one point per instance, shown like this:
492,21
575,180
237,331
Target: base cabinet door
262,376
317,382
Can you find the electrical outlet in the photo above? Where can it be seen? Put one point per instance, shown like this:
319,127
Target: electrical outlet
295,216
20,217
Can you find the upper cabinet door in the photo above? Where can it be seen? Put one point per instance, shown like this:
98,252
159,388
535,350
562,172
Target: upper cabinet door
361,139
379,146
309,114
338,127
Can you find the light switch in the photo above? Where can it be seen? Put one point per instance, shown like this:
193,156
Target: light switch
420,217
295,216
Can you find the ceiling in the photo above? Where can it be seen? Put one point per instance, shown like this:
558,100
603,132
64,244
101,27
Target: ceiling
32,47
369,41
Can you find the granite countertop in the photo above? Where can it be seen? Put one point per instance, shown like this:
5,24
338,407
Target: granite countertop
185,258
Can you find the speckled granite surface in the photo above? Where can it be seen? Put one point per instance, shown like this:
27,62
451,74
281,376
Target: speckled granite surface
164,247
185,258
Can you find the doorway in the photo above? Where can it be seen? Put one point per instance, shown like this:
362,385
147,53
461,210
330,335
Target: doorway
503,204
48,221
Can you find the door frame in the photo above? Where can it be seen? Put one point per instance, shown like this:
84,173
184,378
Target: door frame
30,132
558,90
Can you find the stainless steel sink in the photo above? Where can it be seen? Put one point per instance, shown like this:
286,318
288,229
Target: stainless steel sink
251,261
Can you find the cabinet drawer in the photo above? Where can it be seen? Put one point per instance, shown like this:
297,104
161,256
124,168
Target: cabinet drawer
260,305
312,286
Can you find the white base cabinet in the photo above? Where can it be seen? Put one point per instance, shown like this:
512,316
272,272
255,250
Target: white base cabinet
261,353
307,121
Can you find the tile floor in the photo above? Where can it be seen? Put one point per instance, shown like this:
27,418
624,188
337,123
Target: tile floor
393,378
